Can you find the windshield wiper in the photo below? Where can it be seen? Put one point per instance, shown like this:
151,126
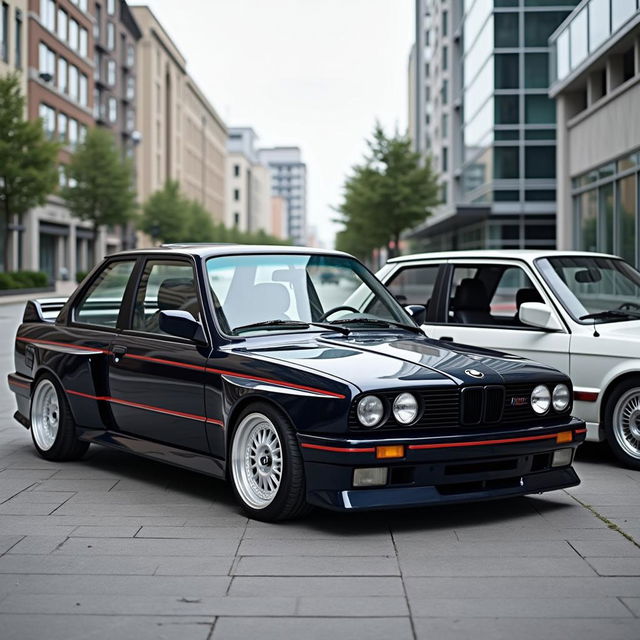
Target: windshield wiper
289,324
611,313
377,322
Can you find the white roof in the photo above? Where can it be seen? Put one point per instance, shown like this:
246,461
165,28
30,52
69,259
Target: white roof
528,255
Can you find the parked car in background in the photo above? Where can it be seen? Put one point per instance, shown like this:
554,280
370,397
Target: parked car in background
244,363
577,311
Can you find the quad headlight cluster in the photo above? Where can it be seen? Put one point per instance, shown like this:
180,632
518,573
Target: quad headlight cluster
371,410
542,398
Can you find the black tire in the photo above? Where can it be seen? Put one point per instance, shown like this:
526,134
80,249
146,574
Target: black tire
290,496
66,445
620,436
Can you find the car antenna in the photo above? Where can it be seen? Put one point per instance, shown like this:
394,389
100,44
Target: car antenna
595,329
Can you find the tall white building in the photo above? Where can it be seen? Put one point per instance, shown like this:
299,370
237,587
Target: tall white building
248,183
289,180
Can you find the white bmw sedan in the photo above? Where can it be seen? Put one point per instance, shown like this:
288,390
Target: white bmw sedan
576,311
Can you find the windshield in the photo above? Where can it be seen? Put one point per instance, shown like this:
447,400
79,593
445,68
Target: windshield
606,287
258,293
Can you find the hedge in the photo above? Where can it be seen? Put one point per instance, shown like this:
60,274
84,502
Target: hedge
23,280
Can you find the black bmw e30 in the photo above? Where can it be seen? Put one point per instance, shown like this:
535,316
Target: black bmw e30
248,363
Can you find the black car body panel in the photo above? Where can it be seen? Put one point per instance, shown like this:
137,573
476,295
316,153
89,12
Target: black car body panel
175,400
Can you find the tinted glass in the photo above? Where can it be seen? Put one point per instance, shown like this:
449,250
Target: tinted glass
164,286
414,285
102,302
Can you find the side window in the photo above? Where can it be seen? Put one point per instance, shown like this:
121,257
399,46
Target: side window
101,304
165,285
414,285
490,295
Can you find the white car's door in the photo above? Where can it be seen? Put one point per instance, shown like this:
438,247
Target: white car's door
483,298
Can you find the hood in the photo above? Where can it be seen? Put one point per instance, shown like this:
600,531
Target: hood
378,360
617,339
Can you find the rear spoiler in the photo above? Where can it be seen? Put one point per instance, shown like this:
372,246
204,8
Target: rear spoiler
43,310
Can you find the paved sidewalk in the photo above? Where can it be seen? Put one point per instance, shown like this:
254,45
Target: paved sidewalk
62,290
117,546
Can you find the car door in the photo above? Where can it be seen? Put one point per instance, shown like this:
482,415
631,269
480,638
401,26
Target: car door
157,380
480,301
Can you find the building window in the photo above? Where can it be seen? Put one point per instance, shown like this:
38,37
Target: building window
73,133
621,11
111,7
47,63
131,88
539,109
84,90
627,192
538,26
506,110
113,110
84,42
82,133
445,23
4,32
63,24
73,34
18,39
73,82
97,25
62,127
540,162
236,219
445,159
537,70
131,55
445,57
506,163
236,194
506,29
63,83
48,14
236,170
48,116
111,36
628,64
131,120
111,73
507,72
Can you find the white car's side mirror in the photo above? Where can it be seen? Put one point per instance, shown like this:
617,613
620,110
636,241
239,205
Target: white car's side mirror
538,314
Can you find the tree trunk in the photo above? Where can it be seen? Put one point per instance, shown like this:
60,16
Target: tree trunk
96,231
7,237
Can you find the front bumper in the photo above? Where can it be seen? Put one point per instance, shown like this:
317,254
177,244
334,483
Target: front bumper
440,470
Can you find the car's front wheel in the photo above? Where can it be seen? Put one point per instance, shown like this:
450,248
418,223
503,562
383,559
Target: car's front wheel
52,427
622,422
266,467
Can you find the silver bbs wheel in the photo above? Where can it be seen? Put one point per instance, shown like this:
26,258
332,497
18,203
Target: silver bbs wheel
256,460
45,414
626,422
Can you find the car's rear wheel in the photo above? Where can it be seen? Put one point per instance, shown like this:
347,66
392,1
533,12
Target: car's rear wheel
52,427
266,467
622,422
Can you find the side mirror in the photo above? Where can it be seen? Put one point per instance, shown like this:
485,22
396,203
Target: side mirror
417,311
538,314
183,325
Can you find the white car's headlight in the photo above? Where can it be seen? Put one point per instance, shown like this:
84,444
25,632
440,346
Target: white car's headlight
561,397
405,408
370,411
540,399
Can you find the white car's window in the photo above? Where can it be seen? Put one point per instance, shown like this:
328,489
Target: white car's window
490,295
588,285
414,285
101,303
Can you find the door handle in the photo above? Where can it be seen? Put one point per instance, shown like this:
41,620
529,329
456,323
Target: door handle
118,351
447,339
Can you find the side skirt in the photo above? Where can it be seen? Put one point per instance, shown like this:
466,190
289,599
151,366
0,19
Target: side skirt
155,451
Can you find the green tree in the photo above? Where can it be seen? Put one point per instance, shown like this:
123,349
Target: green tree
100,184
27,159
199,224
165,215
391,191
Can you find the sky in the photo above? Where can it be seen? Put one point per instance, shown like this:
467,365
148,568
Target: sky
311,73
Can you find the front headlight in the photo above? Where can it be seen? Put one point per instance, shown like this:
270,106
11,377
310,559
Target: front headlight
540,399
370,411
561,397
405,408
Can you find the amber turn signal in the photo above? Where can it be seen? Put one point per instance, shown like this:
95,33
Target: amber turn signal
390,451
564,436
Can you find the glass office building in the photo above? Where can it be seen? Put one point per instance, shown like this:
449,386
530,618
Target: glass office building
596,86
489,124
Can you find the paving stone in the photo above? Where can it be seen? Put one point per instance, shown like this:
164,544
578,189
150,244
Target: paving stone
6,542
83,627
36,544
146,547
315,547
332,607
318,628
616,566
316,566
210,533
118,531
317,586
619,547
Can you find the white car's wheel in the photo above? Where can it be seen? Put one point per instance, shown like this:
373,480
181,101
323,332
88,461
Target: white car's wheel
52,427
622,422
265,465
